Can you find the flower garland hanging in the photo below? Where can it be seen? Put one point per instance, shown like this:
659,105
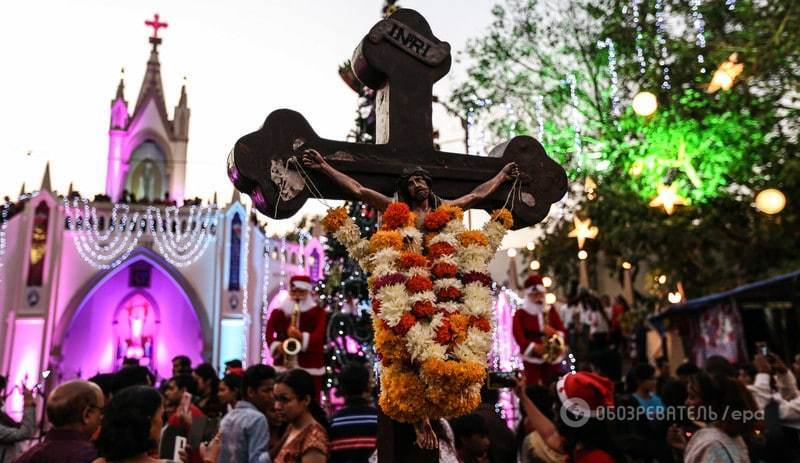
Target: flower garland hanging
432,298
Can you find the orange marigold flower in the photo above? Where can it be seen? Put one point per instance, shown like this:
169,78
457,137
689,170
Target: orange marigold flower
412,259
504,217
481,323
406,322
334,219
454,212
459,324
450,293
390,346
443,332
436,220
419,283
385,239
423,309
439,249
444,270
472,237
395,216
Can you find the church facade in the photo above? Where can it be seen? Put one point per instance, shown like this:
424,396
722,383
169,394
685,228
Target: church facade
138,272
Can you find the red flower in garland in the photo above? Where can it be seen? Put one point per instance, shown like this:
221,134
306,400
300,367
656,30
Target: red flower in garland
395,216
376,306
406,322
436,220
422,309
481,323
412,259
443,335
440,249
449,293
419,283
444,270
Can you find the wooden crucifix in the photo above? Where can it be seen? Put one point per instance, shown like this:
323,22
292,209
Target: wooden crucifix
401,59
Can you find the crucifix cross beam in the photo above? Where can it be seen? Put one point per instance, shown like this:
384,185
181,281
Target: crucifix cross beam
156,24
401,59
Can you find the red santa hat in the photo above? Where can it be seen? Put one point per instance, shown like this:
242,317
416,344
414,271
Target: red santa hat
582,393
301,282
534,283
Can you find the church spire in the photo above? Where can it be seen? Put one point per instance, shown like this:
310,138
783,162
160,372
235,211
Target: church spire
119,107
180,119
121,86
46,178
151,84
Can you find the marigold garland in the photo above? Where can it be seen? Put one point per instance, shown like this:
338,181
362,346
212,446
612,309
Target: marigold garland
432,305
397,215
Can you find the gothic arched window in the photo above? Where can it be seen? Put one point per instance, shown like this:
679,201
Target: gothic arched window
235,253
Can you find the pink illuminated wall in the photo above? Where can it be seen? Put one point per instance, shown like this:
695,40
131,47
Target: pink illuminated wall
25,356
91,341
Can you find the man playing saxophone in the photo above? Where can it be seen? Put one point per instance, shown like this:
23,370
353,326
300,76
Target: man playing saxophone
296,331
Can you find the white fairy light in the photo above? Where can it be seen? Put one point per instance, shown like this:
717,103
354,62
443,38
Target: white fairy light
183,249
282,257
3,228
731,4
245,314
661,43
539,114
576,121
638,26
89,243
612,70
265,296
699,24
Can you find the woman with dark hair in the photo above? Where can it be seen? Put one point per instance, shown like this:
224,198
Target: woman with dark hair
305,439
229,391
131,428
577,436
207,390
728,412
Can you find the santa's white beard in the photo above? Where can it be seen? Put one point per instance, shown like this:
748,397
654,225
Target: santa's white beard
305,304
533,308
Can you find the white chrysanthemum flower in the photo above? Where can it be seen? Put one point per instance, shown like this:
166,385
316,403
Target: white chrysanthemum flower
387,256
446,283
348,233
447,259
495,233
475,347
454,226
382,269
394,303
422,296
449,307
421,271
421,344
477,300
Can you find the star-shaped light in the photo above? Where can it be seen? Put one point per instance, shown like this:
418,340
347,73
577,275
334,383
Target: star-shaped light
583,230
668,198
726,74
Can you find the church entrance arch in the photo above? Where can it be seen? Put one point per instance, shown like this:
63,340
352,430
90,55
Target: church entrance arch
142,309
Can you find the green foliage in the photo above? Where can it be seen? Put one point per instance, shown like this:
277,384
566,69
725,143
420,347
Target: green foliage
735,143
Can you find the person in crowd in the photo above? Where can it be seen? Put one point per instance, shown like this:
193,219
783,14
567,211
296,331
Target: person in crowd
74,410
662,372
131,426
178,406
12,433
719,365
105,382
207,390
354,428
308,328
747,374
245,432
617,311
471,437
532,447
607,363
796,366
230,391
770,370
181,365
727,410
305,439
686,370
234,364
589,443
503,443
133,376
531,326
130,362
599,320
645,384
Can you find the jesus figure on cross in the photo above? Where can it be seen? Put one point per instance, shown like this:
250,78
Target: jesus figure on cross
414,186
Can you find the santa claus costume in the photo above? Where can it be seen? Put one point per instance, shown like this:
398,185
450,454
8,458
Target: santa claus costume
533,323
311,322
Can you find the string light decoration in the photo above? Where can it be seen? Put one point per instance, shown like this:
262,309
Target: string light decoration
102,256
638,27
725,75
539,115
183,249
265,296
668,198
583,230
505,355
282,257
661,43
770,201
731,4
699,24
612,70
576,121
245,274
3,245
645,103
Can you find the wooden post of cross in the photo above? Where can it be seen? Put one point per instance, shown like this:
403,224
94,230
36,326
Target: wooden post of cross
401,59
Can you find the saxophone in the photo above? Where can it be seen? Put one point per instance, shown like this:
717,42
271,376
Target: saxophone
292,346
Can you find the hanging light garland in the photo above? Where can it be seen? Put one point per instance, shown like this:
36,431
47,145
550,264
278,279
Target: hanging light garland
661,43
575,119
699,24
668,198
612,70
283,263
3,229
731,4
539,114
265,296
638,27
245,274
583,230
183,249
102,256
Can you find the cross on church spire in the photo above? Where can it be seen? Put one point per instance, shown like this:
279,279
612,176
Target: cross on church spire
156,24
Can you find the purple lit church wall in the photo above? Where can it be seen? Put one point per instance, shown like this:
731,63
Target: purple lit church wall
155,323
